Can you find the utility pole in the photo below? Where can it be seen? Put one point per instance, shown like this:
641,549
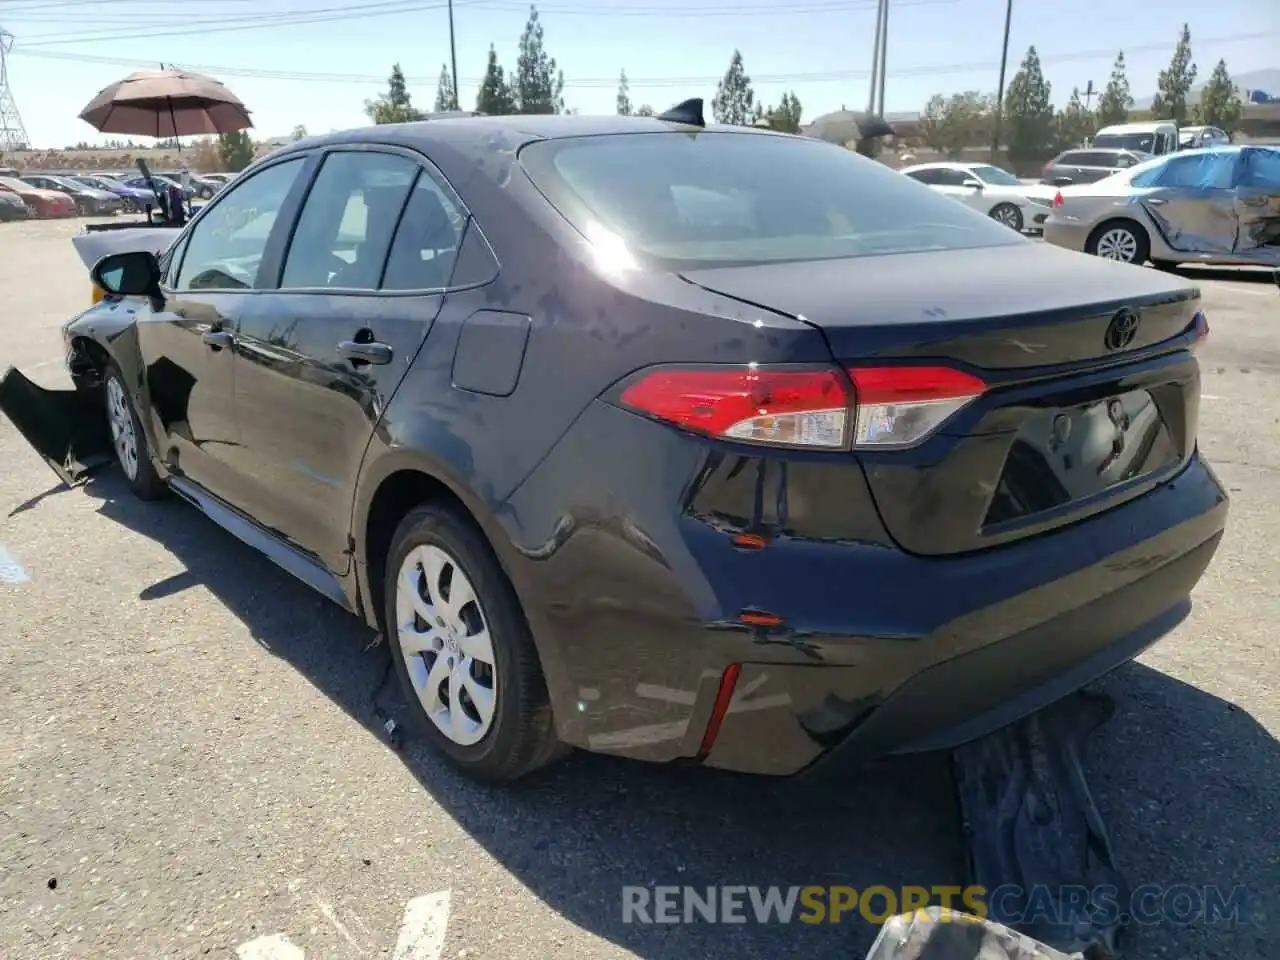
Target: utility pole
1004,63
1089,94
453,54
13,135
884,55
875,56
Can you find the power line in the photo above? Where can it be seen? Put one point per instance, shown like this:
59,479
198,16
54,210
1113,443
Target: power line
829,76
382,8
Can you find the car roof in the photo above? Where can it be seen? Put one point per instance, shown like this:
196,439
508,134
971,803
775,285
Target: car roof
1148,127
1116,150
946,165
476,134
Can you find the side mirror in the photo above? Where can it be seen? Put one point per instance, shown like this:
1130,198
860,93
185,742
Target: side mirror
972,184
133,274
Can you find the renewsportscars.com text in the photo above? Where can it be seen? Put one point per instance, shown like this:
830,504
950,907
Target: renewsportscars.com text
1150,904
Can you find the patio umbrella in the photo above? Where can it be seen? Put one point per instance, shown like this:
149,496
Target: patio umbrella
166,103
847,126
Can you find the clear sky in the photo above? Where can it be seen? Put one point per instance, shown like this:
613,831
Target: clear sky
315,62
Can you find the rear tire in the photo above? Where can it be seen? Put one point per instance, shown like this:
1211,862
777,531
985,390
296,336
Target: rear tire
1008,214
1121,240
128,440
462,650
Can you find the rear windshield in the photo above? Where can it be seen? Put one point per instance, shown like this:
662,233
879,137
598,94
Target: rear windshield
727,199
1144,142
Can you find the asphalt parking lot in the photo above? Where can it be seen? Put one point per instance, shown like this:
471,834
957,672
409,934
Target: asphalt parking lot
192,762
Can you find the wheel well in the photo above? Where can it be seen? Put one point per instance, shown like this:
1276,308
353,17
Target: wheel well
89,360
396,496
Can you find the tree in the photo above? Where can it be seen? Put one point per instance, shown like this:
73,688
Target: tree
644,110
235,150
785,117
538,86
394,106
1028,112
1174,84
298,132
446,95
960,122
932,123
1116,99
734,100
1220,104
624,96
1075,124
495,97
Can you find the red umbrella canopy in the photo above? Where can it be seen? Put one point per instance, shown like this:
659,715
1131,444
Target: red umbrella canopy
166,103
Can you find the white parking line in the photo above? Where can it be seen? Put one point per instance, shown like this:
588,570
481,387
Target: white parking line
421,937
426,920
10,569
275,947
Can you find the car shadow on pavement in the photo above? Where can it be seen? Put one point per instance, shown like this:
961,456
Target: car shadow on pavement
1262,275
1190,785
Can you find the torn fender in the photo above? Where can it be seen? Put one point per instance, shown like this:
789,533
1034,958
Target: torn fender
941,934
68,428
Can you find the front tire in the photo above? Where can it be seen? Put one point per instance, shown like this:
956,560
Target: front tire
462,650
1008,214
128,440
1120,240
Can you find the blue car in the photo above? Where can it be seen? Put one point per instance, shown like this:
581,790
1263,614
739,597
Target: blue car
135,199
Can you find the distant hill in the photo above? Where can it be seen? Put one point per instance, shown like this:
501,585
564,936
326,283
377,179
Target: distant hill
1268,80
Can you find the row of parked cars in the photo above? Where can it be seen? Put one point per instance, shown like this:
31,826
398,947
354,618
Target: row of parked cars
52,195
1137,193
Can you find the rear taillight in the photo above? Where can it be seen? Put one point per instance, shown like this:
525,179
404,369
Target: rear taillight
1057,200
815,408
807,408
900,406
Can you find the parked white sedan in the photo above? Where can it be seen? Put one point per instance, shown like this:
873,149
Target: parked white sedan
990,190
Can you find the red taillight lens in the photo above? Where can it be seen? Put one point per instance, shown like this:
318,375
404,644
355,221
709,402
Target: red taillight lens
900,406
807,408
1057,200
890,406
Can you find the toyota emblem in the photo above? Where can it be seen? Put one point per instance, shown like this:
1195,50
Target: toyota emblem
1122,329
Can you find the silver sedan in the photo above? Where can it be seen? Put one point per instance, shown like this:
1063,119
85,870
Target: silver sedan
1215,206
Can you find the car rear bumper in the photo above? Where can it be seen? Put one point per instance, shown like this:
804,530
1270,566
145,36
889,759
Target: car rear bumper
637,612
1065,233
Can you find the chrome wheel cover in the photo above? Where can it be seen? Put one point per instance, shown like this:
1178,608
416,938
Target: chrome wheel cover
443,635
123,437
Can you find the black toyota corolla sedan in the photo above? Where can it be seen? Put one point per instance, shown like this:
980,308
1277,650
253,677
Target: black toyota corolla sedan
673,441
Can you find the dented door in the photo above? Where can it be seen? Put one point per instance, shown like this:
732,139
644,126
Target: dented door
1193,203
1257,201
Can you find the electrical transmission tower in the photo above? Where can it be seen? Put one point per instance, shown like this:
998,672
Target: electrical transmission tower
13,135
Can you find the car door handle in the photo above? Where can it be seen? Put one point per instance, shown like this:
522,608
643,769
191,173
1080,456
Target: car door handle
365,352
1156,202
218,339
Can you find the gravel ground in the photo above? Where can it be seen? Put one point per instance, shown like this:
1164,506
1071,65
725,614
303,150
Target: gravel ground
192,760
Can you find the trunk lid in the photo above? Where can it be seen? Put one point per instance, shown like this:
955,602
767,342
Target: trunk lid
1073,421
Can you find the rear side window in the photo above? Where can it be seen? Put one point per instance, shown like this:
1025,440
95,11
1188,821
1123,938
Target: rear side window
426,240
1262,169
924,176
1205,171
724,199
348,220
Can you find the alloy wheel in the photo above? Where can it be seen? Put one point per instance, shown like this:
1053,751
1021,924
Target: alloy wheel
123,437
1009,216
1118,244
444,637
